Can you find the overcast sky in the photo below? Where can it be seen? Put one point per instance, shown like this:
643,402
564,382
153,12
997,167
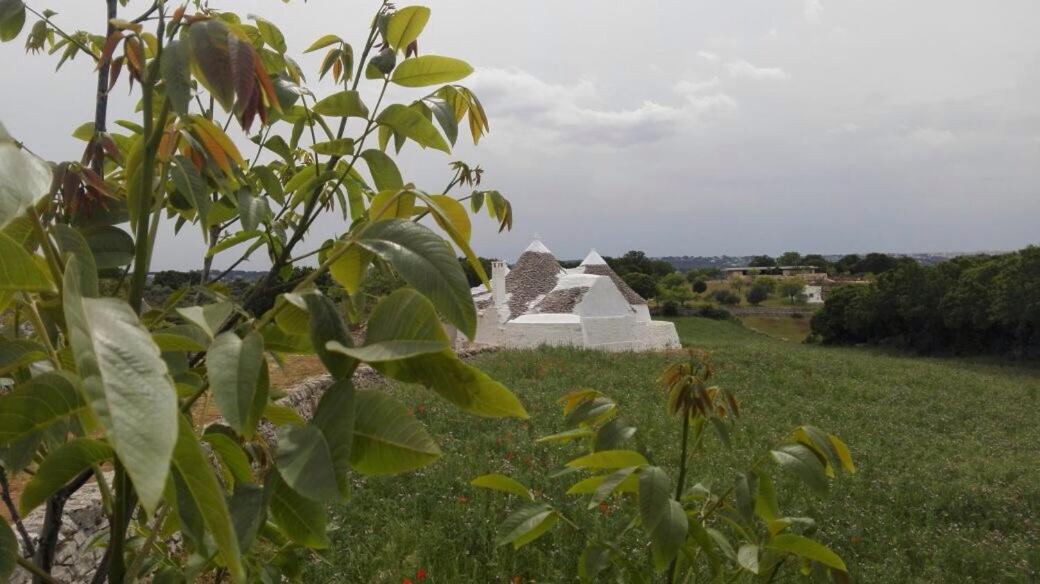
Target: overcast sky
689,127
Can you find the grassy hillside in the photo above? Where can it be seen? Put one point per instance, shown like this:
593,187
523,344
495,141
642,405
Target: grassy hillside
948,452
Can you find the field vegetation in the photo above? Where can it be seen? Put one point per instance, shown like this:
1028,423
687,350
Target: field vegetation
948,488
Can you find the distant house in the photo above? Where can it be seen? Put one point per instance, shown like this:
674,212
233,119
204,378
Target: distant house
807,272
538,302
813,294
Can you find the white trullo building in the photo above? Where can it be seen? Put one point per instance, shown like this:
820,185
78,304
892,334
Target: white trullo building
538,302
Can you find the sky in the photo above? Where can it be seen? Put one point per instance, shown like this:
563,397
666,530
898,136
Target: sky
686,127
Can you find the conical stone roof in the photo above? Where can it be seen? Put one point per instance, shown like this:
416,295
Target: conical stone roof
535,274
595,264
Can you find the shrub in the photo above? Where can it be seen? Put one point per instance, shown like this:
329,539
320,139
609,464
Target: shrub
670,308
700,286
757,294
643,284
727,297
712,312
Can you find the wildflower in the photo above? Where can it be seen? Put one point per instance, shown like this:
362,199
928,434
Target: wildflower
462,499
420,575
407,580
509,455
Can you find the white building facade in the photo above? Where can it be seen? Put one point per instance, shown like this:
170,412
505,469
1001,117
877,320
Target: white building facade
540,303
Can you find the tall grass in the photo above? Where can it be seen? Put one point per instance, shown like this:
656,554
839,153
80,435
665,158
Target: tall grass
948,451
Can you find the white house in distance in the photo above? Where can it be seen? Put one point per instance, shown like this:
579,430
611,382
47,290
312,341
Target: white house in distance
538,302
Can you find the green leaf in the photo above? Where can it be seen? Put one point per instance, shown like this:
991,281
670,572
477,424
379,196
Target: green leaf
339,147
500,482
209,318
9,552
387,439
612,434
747,557
526,525
567,436
126,384
231,455
663,517
71,242
233,240
208,42
335,416
38,403
197,475
59,468
18,353
384,172
321,43
235,367
430,70
18,270
189,183
806,548
302,519
349,268
327,325
844,455
445,115
342,105
405,25
182,337
293,317
111,246
609,485
389,350
427,263
801,460
252,210
609,459
12,18
407,315
593,561
280,415
412,124
305,463
271,35
248,507
766,505
175,68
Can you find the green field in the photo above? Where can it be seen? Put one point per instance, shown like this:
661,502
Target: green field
948,488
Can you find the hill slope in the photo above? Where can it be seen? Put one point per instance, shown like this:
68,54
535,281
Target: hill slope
948,488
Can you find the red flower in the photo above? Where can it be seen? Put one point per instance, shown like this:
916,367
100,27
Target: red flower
509,455
407,580
420,575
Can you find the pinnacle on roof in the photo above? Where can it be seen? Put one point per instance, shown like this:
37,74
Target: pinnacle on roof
593,259
537,247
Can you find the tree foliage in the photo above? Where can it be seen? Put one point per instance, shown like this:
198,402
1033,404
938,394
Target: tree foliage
970,304
122,378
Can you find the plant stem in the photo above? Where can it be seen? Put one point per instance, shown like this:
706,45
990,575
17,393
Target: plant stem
41,331
38,574
681,483
97,161
5,494
62,33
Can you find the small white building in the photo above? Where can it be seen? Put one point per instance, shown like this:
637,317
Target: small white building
538,302
813,294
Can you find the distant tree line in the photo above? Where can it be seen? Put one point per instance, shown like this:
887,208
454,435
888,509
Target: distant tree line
969,304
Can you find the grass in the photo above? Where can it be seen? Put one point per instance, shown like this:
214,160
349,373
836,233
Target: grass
784,328
948,488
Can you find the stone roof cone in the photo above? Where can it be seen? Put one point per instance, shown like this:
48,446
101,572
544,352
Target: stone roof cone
593,259
595,264
534,274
